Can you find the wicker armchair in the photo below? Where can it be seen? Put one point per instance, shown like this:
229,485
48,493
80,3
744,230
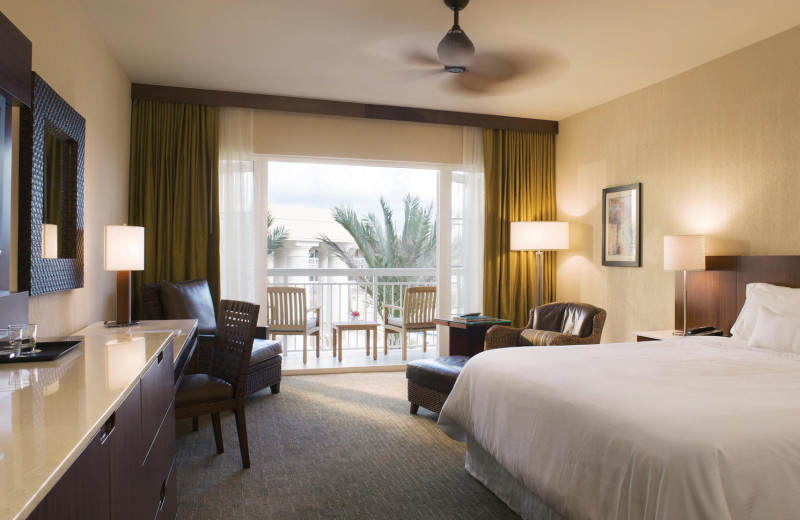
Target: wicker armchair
552,324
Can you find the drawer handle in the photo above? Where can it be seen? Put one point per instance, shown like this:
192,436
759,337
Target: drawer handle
160,357
108,428
163,496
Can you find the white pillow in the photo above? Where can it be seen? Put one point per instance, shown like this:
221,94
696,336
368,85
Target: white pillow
782,300
776,332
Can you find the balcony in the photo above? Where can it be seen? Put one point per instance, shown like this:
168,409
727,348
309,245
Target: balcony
339,292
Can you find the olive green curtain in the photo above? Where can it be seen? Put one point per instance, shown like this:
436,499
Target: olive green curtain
520,186
174,192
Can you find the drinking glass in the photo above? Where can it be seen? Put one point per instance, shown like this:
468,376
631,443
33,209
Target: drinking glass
32,329
5,342
16,335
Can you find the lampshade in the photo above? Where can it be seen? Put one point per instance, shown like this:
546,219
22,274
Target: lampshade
49,241
539,236
684,253
124,248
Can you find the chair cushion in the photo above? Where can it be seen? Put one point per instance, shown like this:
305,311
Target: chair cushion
397,322
438,374
570,318
189,300
537,337
311,323
202,388
264,349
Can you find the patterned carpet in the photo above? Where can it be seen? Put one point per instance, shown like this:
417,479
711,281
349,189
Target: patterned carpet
329,447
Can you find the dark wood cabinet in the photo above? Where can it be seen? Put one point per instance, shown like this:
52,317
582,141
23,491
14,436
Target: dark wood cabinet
83,491
125,477
128,469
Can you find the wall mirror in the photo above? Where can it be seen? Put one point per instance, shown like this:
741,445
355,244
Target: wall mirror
51,193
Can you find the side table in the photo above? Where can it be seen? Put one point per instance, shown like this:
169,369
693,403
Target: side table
466,338
656,335
340,326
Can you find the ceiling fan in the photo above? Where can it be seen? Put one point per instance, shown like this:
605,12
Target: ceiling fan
482,72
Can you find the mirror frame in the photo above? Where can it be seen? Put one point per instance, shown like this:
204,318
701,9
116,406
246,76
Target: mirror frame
48,112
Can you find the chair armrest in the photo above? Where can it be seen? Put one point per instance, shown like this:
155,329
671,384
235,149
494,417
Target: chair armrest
501,336
390,307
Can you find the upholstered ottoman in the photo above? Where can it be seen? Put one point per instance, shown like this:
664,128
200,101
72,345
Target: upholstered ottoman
431,380
265,366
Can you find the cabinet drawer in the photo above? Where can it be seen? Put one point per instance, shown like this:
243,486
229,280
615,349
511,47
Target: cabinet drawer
157,394
157,465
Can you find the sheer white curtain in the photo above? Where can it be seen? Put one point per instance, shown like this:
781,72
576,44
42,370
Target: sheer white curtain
472,211
243,226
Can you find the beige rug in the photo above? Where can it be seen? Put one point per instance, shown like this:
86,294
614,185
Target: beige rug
328,447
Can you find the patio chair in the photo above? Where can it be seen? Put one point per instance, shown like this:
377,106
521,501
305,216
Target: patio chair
288,316
416,315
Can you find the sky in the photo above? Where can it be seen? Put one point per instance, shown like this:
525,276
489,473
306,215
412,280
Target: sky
326,185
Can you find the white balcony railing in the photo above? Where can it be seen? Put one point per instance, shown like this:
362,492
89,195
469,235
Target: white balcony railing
341,291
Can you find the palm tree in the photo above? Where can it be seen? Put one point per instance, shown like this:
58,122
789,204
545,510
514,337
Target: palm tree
381,245
275,236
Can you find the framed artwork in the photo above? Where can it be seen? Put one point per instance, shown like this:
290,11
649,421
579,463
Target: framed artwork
622,226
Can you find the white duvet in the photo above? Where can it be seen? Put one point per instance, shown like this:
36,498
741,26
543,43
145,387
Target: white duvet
680,429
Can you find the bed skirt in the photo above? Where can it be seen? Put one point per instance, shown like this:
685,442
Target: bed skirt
527,504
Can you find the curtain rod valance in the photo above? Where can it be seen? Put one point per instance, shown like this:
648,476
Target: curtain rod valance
337,108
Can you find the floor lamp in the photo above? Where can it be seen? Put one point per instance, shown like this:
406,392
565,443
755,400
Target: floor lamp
684,253
124,252
539,237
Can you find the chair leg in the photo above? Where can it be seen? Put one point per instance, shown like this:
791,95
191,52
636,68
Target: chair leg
195,423
305,349
317,337
241,429
385,341
414,408
276,388
424,340
217,432
405,337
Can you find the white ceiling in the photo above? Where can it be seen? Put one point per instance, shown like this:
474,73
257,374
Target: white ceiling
585,52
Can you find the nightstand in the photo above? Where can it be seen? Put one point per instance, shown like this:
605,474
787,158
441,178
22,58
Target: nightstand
656,335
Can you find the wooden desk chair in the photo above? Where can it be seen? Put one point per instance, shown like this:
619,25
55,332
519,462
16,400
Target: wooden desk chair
288,315
224,386
416,315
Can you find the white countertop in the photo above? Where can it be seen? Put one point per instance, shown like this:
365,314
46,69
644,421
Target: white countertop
49,411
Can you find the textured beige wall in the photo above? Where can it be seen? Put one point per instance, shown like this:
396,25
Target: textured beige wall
71,57
718,152
283,133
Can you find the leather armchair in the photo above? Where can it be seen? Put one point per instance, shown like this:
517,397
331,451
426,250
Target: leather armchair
192,299
552,324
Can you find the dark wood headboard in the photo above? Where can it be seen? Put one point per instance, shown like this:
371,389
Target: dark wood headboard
716,295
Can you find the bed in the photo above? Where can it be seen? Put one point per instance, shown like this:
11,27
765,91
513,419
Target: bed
704,427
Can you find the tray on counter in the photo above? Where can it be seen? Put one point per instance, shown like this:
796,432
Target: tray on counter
50,350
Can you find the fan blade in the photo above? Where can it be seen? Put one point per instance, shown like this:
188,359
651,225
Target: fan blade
421,59
495,72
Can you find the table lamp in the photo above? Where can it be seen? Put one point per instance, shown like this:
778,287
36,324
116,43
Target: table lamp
124,252
539,237
684,253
